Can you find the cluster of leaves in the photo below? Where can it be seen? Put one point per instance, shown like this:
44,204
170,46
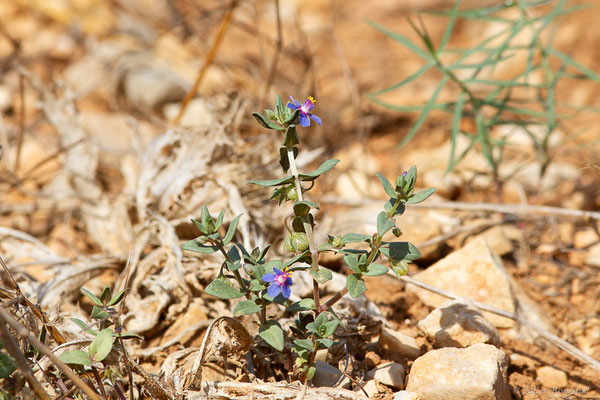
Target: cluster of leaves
315,324
489,102
106,330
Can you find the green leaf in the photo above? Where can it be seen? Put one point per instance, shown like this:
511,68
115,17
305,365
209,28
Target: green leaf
231,230
116,298
193,245
274,182
222,290
79,357
200,227
302,208
105,295
305,344
403,82
352,262
456,117
384,223
283,157
220,220
291,136
246,307
266,122
326,166
448,31
324,343
355,238
375,269
7,366
356,285
569,61
272,333
430,105
127,335
92,297
320,321
420,196
302,305
403,40
329,328
399,251
99,313
84,326
387,186
295,260
322,275
311,370
102,344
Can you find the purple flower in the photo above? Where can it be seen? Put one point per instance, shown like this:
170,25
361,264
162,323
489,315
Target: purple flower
304,108
280,282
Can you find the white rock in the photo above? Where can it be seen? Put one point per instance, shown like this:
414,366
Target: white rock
370,387
151,86
198,112
390,374
326,375
396,342
458,324
552,378
473,272
406,395
474,373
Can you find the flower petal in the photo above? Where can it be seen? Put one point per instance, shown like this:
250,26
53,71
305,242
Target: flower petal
292,106
274,289
277,271
315,118
268,277
304,121
296,103
307,105
286,291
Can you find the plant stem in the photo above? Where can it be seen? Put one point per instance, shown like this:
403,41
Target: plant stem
314,252
99,381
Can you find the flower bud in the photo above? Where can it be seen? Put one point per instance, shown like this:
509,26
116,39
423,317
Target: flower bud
292,194
295,242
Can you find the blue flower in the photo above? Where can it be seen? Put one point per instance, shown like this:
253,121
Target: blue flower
280,282
304,108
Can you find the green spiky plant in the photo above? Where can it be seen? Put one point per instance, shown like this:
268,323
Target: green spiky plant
488,102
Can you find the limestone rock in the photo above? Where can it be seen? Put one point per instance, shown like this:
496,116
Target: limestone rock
406,395
326,375
474,272
552,378
370,387
390,374
458,324
396,342
478,372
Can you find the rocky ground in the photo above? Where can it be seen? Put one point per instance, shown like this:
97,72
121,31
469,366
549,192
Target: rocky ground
98,185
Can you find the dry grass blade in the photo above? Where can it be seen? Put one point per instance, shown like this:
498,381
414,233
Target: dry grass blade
209,58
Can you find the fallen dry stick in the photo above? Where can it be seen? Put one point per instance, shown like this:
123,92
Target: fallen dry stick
558,342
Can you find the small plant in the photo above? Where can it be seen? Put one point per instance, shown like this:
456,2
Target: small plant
106,339
265,281
522,101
